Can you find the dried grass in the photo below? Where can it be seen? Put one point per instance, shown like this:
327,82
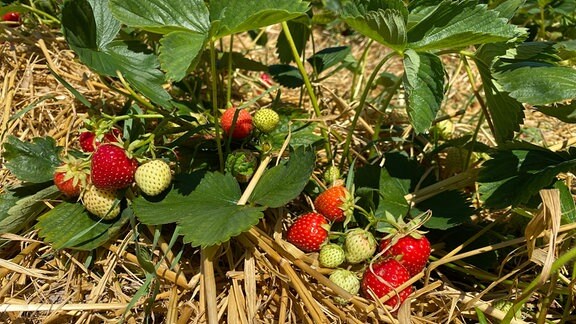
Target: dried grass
257,277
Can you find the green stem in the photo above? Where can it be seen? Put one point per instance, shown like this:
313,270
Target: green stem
215,103
385,105
471,79
41,13
353,89
360,106
308,85
230,72
133,93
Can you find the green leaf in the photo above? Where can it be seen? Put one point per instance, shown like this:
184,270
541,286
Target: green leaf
163,16
506,112
32,161
204,205
180,52
567,203
300,31
449,209
385,25
83,231
212,216
18,209
457,24
424,85
508,9
172,207
540,85
392,201
286,75
232,17
566,113
328,57
284,182
89,29
517,171
240,61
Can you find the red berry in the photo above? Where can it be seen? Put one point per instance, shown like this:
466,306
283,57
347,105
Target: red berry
71,177
12,17
383,277
412,252
112,168
335,203
308,232
243,125
266,79
89,142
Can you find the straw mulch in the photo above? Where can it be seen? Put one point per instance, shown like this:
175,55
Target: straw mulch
257,276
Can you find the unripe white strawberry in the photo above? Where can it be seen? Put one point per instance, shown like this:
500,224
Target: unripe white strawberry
346,280
360,245
331,255
153,177
101,202
266,120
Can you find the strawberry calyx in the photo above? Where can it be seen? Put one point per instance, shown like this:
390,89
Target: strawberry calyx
72,176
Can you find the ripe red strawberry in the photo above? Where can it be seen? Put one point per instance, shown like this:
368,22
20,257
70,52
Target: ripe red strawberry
71,177
12,17
308,232
89,141
383,277
335,203
112,168
243,125
412,252
266,78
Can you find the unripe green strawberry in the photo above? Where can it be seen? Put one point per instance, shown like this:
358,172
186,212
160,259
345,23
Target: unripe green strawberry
331,174
266,120
346,280
331,255
101,202
153,177
360,245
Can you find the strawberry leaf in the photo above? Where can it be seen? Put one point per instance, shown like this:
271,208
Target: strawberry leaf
300,31
447,215
32,161
540,85
168,209
282,183
424,84
456,24
566,202
328,57
232,17
19,207
204,205
90,30
212,216
83,231
185,25
382,21
287,75
506,112
163,16
564,112
517,171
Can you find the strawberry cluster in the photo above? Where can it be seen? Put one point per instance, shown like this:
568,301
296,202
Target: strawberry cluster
402,253
106,171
